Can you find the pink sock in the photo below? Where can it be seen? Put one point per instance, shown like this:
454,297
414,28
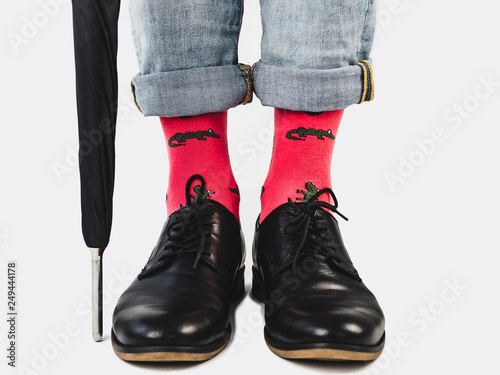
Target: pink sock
198,145
301,159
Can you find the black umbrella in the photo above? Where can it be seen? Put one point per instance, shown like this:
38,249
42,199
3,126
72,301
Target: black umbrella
95,29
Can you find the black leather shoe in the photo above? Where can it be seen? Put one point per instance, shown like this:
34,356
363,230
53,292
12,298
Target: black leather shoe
178,307
317,307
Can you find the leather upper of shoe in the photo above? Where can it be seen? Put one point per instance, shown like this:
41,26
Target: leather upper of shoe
313,292
182,296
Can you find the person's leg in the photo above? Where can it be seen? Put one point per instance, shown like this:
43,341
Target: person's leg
189,76
315,62
178,307
315,58
188,58
301,158
199,146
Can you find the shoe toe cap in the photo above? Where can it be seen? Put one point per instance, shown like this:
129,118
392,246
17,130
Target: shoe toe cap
320,322
144,325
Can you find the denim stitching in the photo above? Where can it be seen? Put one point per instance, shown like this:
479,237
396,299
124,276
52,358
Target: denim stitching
368,87
372,86
247,74
251,76
365,82
132,88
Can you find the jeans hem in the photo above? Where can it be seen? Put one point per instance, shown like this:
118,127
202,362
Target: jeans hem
313,90
192,92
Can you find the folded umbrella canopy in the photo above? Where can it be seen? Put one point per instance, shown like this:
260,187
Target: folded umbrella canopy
95,29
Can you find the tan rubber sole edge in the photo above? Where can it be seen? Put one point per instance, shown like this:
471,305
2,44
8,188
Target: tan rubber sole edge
325,354
168,356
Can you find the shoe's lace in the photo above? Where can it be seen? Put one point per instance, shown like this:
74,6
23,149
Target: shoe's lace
187,233
314,237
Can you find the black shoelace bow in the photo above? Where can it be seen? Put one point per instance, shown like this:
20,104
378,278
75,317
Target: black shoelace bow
186,233
314,237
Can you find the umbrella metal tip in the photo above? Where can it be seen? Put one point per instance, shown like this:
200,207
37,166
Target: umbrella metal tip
97,336
97,293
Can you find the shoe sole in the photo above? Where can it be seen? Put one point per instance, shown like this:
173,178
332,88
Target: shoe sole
181,353
324,351
167,356
324,354
170,353
314,351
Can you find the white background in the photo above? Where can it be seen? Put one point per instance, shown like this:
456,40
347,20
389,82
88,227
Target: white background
439,225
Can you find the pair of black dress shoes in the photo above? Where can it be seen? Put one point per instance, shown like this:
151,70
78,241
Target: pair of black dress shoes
316,306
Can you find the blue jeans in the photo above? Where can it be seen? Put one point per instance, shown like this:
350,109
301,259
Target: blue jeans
314,55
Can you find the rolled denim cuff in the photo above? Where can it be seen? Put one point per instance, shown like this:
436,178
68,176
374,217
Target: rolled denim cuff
313,90
192,92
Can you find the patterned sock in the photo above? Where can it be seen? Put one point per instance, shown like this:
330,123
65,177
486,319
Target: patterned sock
198,145
301,159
